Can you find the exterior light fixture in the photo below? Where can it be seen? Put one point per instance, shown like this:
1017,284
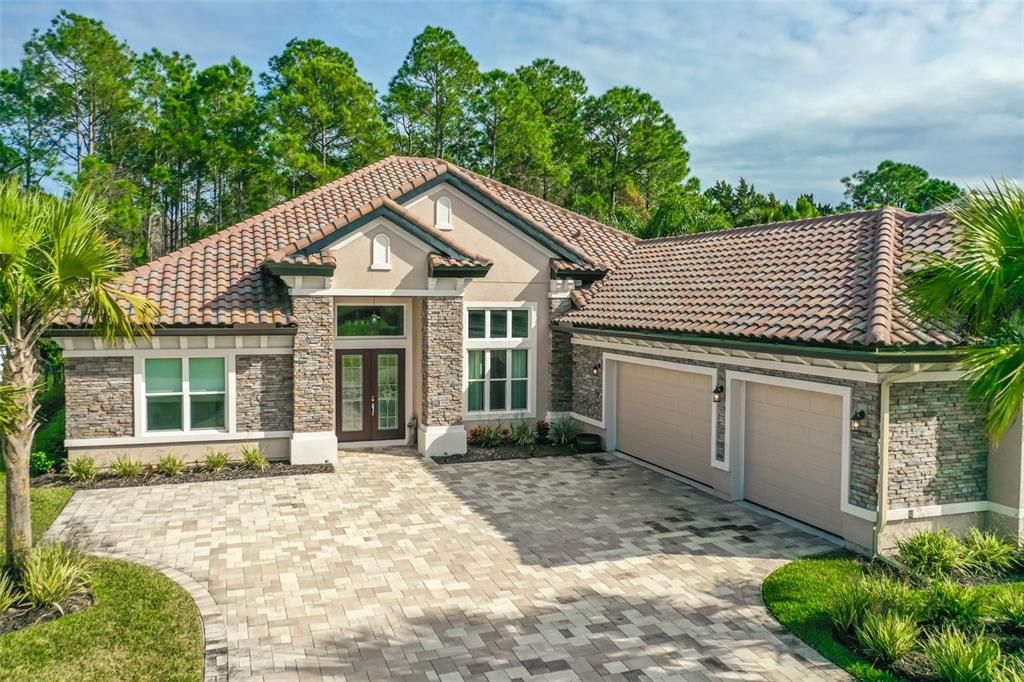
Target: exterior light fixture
716,395
857,420
596,369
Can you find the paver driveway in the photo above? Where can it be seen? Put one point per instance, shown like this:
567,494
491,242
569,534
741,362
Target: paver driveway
398,568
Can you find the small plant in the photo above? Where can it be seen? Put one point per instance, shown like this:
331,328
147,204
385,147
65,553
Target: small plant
1008,611
564,432
40,462
987,553
475,436
491,436
887,637
126,467
216,461
849,605
9,595
933,554
523,434
82,469
1011,670
893,595
949,602
253,458
52,573
542,431
170,465
962,657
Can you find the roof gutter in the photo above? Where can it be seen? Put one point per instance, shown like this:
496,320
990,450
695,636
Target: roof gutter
186,331
878,355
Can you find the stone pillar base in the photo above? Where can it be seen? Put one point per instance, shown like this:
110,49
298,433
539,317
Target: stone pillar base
434,441
314,448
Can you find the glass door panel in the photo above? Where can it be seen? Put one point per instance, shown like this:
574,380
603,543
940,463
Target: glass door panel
352,392
387,391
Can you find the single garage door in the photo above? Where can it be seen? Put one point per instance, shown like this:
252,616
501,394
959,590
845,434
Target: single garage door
793,453
664,417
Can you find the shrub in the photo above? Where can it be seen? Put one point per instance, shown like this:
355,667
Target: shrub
887,637
170,465
1008,611
216,461
542,431
523,434
933,554
491,436
564,432
1011,670
52,573
126,467
253,458
82,469
949,603
40,462
9,595
849,604
475,436
50,436
963,658
891,594
987,553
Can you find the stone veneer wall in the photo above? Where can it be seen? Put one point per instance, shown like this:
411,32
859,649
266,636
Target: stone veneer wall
313,364
938,450
561,359
588,401
263,393
98,394
441,360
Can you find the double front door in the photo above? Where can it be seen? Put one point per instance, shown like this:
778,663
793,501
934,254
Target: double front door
371,394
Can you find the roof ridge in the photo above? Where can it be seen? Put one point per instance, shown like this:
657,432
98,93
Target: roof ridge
881,294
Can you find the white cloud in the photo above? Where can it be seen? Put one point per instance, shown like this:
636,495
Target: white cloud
792,95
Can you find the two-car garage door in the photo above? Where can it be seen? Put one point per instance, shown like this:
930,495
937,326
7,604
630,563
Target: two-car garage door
790,436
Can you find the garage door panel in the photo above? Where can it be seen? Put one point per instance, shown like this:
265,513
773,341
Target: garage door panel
793,453
664,417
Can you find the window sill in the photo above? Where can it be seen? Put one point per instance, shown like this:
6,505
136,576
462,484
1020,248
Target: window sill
380,268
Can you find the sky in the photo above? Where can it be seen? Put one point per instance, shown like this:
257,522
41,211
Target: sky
791,95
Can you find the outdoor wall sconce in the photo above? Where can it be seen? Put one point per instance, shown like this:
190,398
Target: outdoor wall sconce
596,369
716,395
857,420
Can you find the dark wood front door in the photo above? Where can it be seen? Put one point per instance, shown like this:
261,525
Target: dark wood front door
370,394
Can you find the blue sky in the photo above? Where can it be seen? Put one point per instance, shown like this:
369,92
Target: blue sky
791,95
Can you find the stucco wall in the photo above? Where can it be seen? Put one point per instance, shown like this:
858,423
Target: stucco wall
408,261
263,393
276,449
99,397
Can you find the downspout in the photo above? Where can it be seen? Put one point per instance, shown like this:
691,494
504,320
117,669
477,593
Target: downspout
882,513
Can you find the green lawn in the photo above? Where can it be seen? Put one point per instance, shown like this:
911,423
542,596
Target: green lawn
796,595
46,504
144,626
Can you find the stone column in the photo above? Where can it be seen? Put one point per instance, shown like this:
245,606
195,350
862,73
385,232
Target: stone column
561,359
313,437
440,431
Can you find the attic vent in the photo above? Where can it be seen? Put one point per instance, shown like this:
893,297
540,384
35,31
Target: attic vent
443,217
381,257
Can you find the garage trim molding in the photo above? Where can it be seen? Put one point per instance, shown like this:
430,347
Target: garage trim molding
735,399
609,412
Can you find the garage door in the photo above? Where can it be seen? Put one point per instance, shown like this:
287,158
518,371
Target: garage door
793,453
664,417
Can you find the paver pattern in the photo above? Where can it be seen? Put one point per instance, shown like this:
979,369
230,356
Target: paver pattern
396,568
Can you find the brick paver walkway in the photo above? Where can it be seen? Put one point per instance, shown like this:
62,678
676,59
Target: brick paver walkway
397,568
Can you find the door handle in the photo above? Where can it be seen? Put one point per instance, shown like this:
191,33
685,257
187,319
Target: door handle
373,404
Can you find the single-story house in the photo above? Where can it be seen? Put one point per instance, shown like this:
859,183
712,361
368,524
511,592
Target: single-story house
413,298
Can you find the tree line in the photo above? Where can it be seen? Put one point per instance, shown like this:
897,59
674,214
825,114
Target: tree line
177,152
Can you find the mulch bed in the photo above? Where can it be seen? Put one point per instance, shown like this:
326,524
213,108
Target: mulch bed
17,618
194,475
478,453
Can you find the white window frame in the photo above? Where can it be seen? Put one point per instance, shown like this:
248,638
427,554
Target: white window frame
380,252
509,343
142,402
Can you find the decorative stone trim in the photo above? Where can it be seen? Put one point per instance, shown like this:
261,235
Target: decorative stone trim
442,361
100,397
215,631
560,343
313,373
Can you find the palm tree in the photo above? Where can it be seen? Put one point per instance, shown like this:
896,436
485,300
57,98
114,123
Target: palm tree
54,258
979,290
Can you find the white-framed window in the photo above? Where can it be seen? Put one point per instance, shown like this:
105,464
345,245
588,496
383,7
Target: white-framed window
381,253
500,360
185,394
443,213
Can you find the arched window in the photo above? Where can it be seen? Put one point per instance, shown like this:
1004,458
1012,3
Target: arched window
381,253
443,219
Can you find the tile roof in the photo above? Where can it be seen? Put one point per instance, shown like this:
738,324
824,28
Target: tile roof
831,280
220,280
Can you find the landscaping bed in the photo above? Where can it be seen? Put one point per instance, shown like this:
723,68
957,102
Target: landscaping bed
517,440
949,609
194,474
479,453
